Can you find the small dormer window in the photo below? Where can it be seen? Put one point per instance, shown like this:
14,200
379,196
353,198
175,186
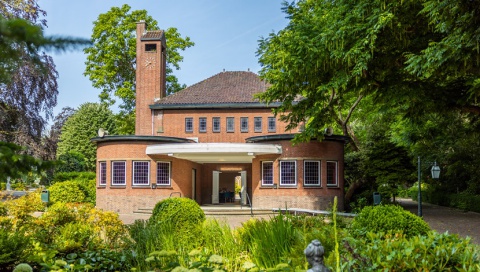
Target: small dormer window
150,47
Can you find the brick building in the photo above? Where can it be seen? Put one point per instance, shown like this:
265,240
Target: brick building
201,141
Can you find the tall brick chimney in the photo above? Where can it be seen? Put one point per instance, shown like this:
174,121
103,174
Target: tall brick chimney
150,76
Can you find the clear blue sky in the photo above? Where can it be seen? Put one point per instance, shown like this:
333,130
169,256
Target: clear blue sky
225,32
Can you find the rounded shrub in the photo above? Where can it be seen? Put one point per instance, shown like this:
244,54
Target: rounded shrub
388,218
178,211
180,218
23,267
67,191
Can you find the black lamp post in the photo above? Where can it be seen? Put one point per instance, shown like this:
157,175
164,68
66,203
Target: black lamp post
435,174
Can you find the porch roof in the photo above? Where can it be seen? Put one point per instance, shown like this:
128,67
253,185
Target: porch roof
214,152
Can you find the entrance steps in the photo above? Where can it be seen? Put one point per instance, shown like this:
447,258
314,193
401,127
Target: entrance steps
221,210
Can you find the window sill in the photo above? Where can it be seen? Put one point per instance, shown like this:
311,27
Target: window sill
140,186
101,186
312,186
288,187
333,187
118,186
268,187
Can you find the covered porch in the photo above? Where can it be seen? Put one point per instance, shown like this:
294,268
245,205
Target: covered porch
224,166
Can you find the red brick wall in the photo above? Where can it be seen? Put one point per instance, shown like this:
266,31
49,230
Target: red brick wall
299,196
128,198
172,123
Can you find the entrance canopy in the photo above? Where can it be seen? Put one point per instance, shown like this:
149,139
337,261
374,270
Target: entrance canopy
214,152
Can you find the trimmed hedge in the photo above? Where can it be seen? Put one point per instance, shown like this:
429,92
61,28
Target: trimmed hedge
64,176
388,218
67,192
86,181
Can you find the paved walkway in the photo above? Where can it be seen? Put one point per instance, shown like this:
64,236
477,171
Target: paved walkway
444,219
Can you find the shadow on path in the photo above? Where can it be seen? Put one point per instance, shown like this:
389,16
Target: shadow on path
444,219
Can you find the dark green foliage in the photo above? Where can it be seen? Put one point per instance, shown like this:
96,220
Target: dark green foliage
463,201
90,260
431,252
15,164
71,162
388,218
64,176
81,127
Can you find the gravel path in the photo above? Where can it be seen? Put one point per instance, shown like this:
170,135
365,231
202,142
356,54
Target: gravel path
444,219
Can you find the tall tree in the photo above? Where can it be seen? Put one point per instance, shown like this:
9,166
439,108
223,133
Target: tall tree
83,125
51,138
28,86
334,53
111,60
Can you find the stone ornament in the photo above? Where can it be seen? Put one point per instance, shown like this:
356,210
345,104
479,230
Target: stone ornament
314,254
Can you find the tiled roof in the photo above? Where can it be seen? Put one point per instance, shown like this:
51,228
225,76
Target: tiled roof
152,35
224,87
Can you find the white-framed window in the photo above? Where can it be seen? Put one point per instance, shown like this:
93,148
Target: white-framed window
141,173
243,124
119,172
267,172
230,124
202,124
216,124
288,173
257,124
102,181
163,173
332,173
272,124
311,173
189,124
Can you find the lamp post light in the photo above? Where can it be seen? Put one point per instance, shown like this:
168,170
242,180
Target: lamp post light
435,171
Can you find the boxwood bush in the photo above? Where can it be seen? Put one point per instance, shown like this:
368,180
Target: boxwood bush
181,216
179,210
388,218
